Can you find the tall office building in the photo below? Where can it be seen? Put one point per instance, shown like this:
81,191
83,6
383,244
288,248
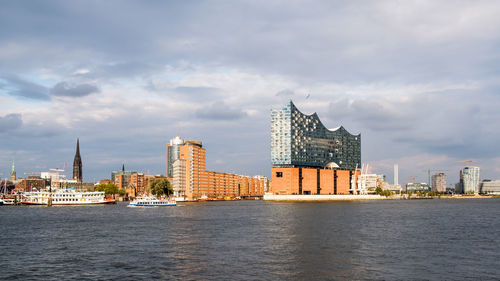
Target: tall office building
77,163
308,158
186,168
438,182
173,154
469,180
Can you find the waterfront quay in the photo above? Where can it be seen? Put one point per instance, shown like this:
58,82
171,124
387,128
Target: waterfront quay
327,198
315,198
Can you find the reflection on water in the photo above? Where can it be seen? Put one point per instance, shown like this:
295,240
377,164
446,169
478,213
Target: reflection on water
255,240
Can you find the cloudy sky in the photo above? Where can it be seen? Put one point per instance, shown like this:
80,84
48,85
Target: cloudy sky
419,80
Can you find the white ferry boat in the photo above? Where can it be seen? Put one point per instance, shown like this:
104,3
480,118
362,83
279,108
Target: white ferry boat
151,202
9,201
65,197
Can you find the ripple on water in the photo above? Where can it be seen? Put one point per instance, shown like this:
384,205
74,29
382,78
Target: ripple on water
255,240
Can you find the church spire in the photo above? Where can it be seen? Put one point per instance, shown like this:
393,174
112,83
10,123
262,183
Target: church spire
78,147
77,163
13,176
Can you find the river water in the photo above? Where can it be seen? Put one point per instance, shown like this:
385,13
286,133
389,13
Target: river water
255,240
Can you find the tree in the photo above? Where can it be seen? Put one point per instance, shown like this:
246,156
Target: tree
108,188
121,192
160,187
387,193
382,192
432,193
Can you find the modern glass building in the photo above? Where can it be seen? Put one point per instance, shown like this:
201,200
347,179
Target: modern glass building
173,154
300,140
417,186
469,180
490,187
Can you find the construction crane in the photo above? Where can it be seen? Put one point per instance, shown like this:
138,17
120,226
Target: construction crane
465,161
57,170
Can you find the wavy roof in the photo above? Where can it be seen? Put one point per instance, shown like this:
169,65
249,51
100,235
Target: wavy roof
315,115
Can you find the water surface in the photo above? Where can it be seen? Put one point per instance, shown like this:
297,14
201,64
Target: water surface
255,240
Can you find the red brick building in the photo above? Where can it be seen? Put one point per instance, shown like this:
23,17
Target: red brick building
312,181
186,167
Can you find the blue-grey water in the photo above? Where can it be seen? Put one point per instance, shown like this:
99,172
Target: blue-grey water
255,240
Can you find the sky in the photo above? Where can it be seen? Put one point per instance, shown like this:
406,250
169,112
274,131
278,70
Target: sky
419,80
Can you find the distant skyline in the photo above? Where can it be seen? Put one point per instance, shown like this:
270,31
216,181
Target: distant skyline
418,79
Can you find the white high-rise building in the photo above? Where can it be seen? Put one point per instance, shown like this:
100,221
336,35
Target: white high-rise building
439,182
469,179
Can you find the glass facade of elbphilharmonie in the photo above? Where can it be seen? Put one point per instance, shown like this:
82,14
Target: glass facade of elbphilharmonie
300,140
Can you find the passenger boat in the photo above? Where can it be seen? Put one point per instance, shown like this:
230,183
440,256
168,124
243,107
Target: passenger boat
65,197
151,202
203,198
9,201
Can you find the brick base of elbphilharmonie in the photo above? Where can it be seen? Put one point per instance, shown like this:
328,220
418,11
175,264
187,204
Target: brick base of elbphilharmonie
307,181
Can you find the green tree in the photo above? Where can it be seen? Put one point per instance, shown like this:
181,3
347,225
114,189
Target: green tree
160,187
108,188
121,191
386,193
382,192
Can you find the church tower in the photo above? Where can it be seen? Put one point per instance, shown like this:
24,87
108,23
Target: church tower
77,163
13,177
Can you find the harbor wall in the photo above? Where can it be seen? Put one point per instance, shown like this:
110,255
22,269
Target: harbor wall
347,197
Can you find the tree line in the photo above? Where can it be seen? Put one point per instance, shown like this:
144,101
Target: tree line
157,187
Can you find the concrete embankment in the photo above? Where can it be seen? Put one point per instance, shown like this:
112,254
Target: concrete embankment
273,197
475,196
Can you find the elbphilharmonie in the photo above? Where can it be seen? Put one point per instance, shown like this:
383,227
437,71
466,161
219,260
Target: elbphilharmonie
308,158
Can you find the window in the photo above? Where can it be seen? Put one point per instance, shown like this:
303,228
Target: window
279,174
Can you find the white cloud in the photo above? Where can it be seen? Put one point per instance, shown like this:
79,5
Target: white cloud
81,71
417,79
